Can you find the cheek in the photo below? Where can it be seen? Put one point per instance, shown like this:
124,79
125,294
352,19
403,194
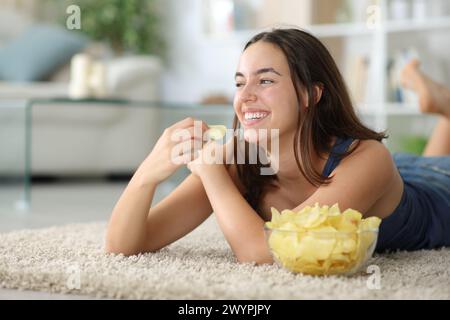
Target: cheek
284,121
272,94
282,95
284,110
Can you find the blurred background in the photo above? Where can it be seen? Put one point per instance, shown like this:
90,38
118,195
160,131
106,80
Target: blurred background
87,87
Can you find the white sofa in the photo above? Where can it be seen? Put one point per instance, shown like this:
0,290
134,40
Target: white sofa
80,139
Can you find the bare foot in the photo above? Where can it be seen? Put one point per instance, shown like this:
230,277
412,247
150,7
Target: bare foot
433,97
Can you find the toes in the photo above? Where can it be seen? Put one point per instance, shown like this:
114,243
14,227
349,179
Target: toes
410,74
414,63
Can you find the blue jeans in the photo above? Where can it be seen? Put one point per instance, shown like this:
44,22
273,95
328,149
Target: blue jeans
422,218
434,171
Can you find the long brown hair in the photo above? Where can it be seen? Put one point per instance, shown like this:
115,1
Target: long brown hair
310,65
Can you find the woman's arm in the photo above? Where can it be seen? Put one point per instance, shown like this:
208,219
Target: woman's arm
241,225
134,227
127,226
356,184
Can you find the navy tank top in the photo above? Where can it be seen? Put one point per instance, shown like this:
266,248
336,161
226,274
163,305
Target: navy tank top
422,218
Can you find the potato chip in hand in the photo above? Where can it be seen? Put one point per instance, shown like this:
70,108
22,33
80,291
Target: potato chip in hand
217,132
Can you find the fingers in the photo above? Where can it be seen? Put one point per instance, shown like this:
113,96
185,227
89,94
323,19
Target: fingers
211,152
190,146
185,123
190,133
188,129
188,150
183,159
189,122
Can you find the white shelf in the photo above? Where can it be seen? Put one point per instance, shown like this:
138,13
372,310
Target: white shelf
373,43
339,30
318,30
361,29
412,25
348,29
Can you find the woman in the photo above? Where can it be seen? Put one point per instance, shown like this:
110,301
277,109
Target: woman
288,80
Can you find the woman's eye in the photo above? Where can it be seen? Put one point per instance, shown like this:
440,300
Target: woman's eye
263,81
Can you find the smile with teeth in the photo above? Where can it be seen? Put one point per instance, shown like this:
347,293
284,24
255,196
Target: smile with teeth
255,115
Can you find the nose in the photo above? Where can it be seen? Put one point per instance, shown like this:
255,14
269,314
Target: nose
248,94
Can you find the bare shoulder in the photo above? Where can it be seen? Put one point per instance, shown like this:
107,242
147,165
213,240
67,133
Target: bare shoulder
373,149
372,167
364,177
370,163
369,145
370,156
365,180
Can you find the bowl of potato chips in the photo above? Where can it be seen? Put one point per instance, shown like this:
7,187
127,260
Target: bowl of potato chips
321,240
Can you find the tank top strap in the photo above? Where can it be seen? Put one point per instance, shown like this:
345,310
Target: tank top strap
340,147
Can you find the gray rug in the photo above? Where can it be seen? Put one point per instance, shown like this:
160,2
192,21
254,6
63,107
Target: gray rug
70,259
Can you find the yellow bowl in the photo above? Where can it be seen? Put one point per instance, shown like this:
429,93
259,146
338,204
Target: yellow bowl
321,253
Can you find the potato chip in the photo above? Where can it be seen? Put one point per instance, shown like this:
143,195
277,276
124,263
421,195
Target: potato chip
217,132
314,247
311,219
321,240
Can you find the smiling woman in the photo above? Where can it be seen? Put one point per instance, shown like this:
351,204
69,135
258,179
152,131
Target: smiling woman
289,79
286,80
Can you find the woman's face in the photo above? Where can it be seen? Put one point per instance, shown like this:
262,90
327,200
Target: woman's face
265,95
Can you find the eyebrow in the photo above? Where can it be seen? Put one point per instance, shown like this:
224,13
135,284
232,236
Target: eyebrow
260,71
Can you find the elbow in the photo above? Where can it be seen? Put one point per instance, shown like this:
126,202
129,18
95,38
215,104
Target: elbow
118,247
113,247
118,243
259,258
258,261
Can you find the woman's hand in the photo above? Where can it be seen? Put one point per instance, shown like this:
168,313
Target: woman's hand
211,157
177,146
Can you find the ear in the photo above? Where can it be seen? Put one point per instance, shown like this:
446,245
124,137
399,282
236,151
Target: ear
317,92
318,89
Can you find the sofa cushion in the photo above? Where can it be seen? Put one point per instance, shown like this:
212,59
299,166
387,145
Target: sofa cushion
38,52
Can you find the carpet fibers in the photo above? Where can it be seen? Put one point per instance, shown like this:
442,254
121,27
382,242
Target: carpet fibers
70,259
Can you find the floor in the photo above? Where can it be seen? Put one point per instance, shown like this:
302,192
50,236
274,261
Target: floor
61,203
